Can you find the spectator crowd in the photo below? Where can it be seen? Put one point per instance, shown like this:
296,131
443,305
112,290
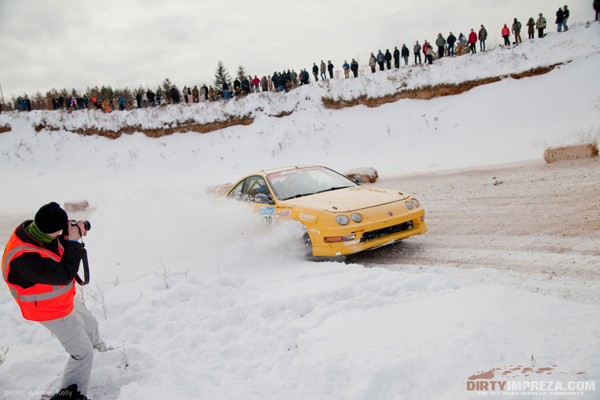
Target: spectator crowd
105,99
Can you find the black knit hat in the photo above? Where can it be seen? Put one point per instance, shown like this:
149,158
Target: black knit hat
51,218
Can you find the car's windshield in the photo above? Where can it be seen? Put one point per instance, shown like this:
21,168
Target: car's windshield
306,181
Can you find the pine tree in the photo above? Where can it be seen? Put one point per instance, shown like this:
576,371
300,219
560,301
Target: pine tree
92,91
166,89
106,93
241,73
38,102
125,94
221,76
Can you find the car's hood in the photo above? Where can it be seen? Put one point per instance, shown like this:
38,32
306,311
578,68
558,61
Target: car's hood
349,199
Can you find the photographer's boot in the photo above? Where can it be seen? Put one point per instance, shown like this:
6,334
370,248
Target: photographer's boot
102,347
69,393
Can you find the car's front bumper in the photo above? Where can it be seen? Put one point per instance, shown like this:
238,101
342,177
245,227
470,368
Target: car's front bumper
367,236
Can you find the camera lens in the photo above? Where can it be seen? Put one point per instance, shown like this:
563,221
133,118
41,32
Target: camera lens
86,224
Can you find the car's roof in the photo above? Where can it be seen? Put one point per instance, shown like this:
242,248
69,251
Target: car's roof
288,168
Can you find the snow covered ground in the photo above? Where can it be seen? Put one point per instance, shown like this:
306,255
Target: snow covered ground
203,303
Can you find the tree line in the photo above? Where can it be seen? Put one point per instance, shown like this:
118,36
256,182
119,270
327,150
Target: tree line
74,99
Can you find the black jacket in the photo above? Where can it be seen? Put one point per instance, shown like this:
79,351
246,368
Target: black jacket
31,268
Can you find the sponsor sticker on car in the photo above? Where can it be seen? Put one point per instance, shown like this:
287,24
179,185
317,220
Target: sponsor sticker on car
267,211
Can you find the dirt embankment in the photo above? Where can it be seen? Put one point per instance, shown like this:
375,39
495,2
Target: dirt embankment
430,92
423,93
187,126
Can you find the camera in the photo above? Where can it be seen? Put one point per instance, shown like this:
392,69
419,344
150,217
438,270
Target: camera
86,224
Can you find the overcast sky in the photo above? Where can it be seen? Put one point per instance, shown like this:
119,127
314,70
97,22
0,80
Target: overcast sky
59,44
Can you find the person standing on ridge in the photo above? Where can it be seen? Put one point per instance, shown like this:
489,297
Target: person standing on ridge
560,17
516,30
405,54
506,35
482,37
429,54
330,69
346,68
540,24
417,52
388,59
441,45
372,63
473,41
451,39
354,67
531,28
566,15
380,60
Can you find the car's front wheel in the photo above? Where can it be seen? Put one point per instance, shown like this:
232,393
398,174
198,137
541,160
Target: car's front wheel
308,253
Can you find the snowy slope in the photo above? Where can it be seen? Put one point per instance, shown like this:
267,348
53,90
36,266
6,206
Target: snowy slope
508,121
201,303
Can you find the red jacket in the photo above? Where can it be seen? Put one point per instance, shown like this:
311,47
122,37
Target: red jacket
40,302
505,31
472,37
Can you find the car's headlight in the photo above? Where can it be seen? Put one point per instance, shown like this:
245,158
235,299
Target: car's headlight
408,205
356,217
415,203
342,220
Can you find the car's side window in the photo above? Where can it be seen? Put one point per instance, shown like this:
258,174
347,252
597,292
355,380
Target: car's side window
253,188
236,193
258,191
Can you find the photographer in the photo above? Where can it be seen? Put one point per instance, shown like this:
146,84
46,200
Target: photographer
40,266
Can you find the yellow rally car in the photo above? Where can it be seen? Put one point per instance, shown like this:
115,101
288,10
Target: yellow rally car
340,216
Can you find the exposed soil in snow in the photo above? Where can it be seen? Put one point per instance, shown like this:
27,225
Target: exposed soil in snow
430,92
187,126
423,93
528,218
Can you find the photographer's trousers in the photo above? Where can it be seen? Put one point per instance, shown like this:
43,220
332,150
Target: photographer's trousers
78,333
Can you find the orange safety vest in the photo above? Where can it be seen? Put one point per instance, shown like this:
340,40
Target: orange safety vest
40,302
